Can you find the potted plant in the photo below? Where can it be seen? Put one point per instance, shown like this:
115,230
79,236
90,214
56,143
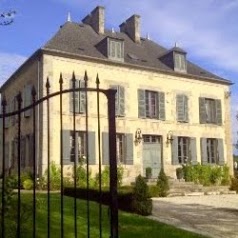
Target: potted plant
179,173
148,172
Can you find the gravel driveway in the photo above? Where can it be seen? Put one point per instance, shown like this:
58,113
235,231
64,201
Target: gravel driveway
214,215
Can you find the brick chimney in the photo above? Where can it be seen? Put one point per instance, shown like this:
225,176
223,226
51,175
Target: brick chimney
132,28
96,19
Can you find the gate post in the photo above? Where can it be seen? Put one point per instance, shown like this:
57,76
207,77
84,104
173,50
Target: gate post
113,163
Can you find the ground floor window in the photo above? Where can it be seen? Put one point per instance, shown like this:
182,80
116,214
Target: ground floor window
183,150
77,145
212,155
121,148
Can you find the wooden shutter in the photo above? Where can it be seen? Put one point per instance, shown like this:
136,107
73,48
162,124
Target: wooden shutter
76,99
161,104
186,117
116,87
121,101
203,142
105,148
27,99
193,150
91,148
218,112
82,97
202,111
174,147
141,103
220,151
180,105
129,149
66,146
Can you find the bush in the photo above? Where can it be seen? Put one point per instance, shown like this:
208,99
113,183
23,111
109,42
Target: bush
225,176
234,184
163,184
153,191
141,202
55,176
179,173
28,184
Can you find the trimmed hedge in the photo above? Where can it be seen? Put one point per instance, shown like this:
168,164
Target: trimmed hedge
125,199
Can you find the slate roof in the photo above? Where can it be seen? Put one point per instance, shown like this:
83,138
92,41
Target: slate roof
81,39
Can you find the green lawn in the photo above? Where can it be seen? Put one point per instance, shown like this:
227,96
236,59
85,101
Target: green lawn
130,225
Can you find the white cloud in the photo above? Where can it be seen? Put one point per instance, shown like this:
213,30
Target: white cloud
8,64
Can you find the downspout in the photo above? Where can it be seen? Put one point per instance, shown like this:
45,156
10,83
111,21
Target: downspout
38,119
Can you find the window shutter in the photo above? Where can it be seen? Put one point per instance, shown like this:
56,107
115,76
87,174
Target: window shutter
105,148
30,149
12,109
180,103
203,142
129,149
82,97
141,103
23,152
186,117
161,104
220,151
175,151
27,99
193,150
76,98
218,112
116,99
66,146
91,148
121,101
202,111
7,119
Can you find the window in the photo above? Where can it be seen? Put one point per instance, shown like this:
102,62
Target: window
151,139
121,148
182,108
27,99
183,150
179,62
78,98
115,49
210,111
212,151
80,149
120,100
151,104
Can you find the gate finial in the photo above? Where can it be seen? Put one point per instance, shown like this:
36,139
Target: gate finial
47,85
61,79
97,80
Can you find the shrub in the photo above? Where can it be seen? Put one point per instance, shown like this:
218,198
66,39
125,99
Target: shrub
28,184
179,173
163,184
153,191
225,176
55,176
141,203
148,172
120,172
234,184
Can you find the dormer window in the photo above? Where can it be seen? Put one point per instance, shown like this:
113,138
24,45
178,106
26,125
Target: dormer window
180,62
115,49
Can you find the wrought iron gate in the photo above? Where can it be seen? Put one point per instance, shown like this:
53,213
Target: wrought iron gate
18,194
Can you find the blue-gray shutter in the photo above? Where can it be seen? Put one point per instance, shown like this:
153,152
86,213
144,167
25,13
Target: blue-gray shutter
161,104
82,98
203,142
129,149
174,147
27,99
202,110
76,98
91,148
193,150
105,148
186,117
218,112
180,108
66,146
116,87
220,151
121,101
141,103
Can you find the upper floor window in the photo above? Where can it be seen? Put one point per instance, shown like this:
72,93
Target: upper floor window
180,62
115,49
151,104
210,111
120,100
78,98
182,108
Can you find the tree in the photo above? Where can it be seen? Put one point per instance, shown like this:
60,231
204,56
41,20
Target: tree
6,18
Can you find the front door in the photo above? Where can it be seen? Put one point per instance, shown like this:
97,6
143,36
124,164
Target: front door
152,154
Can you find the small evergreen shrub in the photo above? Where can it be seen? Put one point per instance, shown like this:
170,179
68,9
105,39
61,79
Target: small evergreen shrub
55,176
28,184
141,202
162,184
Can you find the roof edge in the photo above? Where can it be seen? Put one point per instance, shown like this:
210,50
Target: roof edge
190,76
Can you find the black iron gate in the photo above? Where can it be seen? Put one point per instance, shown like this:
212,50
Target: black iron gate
12,199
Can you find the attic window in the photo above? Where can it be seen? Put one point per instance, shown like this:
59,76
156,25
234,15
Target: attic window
115,49
180,62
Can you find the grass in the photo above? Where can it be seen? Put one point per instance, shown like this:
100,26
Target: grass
130,225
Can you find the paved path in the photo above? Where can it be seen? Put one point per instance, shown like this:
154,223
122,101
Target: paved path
214,216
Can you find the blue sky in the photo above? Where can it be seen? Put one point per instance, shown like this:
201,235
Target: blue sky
206,29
